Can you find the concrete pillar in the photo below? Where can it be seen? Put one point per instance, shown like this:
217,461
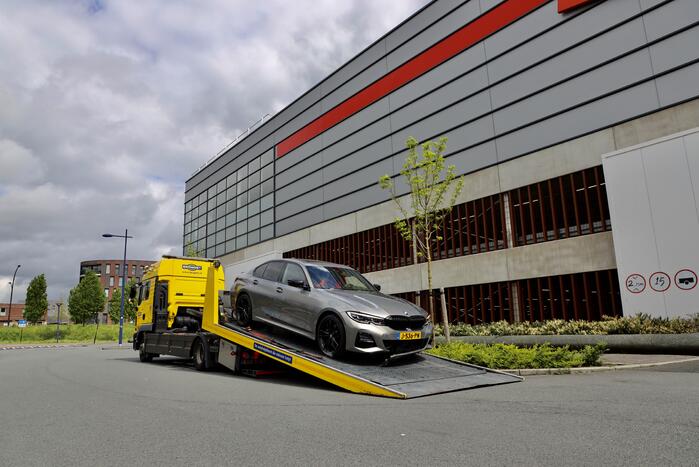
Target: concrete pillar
514,299
508,220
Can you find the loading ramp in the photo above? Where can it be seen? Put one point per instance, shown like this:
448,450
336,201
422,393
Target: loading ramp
413,376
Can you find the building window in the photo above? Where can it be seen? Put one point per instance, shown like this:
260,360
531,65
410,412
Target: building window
107,269
106,292
111,281
116,269
133,269
3,312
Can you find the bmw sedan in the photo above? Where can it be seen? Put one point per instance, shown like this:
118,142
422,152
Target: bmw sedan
331,304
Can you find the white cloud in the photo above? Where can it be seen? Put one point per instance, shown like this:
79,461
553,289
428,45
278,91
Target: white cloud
107,107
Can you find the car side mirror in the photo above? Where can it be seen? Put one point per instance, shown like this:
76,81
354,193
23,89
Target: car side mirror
377,287
298,284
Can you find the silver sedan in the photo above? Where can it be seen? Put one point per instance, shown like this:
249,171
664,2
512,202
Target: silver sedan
331,304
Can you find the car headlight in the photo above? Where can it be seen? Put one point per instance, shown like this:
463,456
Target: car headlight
365,318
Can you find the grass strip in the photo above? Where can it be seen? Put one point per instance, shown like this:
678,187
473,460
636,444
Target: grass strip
69,333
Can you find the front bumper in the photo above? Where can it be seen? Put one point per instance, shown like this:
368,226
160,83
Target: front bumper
385,339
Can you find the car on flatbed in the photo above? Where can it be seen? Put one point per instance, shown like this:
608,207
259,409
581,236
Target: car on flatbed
332,304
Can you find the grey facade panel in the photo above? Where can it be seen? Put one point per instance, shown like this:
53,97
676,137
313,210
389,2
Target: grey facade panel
298,122
297,155
603,80
583,57
347,71
356,161
489,4
361,138
428,15
463,62
298,187
349,203
303,202
302,169
369,114
601,113
444,97
679,85
475,158
362,178
434,33
299,221
357,83
670,17
676,50
582,26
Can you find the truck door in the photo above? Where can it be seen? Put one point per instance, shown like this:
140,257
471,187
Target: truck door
160,312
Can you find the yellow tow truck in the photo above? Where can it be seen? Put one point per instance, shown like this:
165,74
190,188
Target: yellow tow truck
182,308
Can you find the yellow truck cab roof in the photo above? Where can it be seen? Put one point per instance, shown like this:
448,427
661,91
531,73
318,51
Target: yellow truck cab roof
179,267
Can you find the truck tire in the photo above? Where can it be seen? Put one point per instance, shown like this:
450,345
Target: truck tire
199,356
145,356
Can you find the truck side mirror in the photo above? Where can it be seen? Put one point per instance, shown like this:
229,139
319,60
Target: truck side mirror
132,292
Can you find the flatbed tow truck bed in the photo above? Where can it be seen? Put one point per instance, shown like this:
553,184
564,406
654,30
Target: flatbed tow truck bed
408,377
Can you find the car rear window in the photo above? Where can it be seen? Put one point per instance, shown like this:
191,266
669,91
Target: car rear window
273,271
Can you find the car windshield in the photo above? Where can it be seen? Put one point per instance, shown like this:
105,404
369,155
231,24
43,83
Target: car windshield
331,277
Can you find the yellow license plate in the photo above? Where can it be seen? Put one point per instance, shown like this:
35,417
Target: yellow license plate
409,336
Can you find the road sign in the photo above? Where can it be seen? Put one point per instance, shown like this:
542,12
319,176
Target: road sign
22,323
635,283
686,279
659,281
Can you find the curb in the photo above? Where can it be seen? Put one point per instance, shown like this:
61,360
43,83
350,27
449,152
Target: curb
591,369
41,346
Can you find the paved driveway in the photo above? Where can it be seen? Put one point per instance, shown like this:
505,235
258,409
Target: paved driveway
86,406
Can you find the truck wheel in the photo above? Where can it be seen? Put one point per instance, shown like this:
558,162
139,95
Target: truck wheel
331,336
143,355
198,354
243,309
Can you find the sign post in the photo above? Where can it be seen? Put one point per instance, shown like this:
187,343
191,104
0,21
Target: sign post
22,323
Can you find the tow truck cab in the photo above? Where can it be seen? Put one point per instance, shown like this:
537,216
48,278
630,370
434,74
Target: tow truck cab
171,295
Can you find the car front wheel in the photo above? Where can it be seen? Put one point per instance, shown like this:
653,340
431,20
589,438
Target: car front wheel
331,336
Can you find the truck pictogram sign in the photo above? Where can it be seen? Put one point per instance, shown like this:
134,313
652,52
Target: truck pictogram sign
686,279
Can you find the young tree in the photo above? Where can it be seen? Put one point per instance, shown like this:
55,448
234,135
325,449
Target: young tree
86,299
191,252
434,188
36,303
130,306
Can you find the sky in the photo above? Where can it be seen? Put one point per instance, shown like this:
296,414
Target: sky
107,107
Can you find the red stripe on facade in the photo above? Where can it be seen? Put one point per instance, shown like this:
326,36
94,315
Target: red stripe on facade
565,5
474,32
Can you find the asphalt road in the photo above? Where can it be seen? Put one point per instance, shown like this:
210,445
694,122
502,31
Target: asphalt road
92,407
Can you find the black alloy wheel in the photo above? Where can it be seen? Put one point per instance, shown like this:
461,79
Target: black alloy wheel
243,310
331,336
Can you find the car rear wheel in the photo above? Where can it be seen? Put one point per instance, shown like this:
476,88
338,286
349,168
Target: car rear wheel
331,336
243,309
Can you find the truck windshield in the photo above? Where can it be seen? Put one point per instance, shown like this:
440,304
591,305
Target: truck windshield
330,277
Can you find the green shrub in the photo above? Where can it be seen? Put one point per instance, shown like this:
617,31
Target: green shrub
639,324
505,356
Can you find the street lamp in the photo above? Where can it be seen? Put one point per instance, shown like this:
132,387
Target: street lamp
12,289
123,281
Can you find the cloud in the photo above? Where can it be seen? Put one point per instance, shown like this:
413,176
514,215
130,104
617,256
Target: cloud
107,107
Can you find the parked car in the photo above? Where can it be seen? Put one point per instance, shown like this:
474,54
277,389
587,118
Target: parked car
332,304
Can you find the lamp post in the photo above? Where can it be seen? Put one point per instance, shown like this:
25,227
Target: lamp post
123,281
12,289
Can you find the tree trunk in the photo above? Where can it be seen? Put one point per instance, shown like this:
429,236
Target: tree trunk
429,285
445,315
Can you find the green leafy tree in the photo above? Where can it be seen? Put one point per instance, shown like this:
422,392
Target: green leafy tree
36,302
130,306
434,188
86,299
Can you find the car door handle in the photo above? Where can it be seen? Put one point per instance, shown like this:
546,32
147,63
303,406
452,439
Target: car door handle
254,282
280,290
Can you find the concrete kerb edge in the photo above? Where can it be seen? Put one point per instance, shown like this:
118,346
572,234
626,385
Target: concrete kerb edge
40,346
591,369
